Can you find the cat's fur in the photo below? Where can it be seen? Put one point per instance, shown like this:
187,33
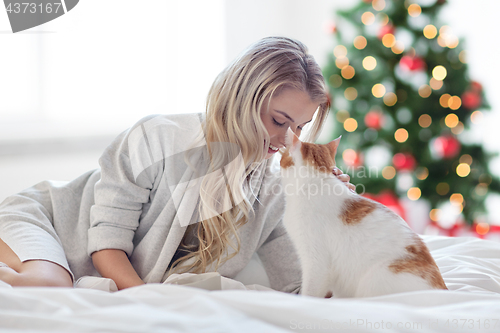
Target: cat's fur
348,245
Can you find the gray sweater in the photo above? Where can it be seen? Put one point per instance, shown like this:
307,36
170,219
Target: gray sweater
133,203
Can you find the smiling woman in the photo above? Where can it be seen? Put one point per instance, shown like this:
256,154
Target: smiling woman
298,110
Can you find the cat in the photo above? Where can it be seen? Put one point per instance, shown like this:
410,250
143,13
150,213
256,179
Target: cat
348,245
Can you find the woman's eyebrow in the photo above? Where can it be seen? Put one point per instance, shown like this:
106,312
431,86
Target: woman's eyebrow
288,117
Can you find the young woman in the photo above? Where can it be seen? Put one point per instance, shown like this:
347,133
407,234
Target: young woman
177,193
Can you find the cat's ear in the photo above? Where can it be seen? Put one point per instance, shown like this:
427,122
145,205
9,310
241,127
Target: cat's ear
333,145
291,139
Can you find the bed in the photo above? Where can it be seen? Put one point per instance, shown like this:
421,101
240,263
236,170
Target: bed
210,303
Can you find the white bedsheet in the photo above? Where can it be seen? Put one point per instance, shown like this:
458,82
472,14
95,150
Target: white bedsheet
470,267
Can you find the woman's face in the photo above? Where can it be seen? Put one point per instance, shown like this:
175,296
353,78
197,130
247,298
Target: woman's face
292,109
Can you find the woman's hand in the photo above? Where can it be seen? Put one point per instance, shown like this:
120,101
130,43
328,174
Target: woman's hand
344,177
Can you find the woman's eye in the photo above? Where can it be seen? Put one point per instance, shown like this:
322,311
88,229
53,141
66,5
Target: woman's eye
277,123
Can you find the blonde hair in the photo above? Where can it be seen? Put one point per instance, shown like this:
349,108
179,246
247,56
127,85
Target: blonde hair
233,116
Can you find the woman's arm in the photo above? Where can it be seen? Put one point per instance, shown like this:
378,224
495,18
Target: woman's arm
115,265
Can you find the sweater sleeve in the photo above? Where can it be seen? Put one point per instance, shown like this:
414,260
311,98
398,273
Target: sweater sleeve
128,174
277,252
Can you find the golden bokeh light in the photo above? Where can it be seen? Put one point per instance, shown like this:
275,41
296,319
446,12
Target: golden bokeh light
439,73
441,41
466,158
430,31
378,90
414,193
383,19
401,135
425,120
443,100
422,173
451,120
369,63
457,199
425,91
368,18
463,170
454,103
462,56
350,124
398,48
452,41
335,80
342,115
390,99
414,10
435,84
388,172
340,51
378,5
435,214
347,72
482,228
458,129
476,117
341,62
442,188
389,40
351,93
360,42
349,156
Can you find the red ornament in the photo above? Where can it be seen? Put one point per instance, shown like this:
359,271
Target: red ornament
388,199
412,63
404,161
386,29
374,120
471,99
476,86
446,146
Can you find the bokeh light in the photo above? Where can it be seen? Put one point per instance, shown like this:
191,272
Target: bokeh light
342,115
414,193
350,124
390,99
341,62
451,120
457,199
435,214
435,84
422,173
425,120
347,72
454,103
368,18
466,158
388,172
430,31
360,42
458,129
401,135
476,117
369,63
378,5
439,73
378,90
340,51
335,80
398,47
349,156
482,228
414,10
389,40
425,91
481,189
351,93
443,100
463,170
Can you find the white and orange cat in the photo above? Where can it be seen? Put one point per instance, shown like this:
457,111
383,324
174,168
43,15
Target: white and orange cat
348,245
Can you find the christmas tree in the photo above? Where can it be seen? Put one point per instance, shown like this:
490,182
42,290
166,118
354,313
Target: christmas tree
403,102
